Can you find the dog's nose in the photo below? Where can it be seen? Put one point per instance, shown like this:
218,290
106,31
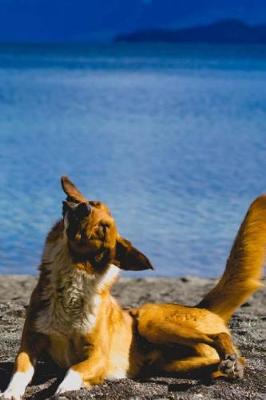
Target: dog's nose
83,210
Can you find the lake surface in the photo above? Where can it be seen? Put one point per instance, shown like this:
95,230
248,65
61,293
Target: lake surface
173,138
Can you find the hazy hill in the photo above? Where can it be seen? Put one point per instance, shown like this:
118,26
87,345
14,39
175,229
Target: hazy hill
89,20
225,31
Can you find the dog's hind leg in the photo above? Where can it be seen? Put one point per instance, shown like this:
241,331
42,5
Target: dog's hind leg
165,331
231,364
195,365
221,360
203,362
173,324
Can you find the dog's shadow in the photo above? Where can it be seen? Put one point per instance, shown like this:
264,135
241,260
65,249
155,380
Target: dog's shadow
48,375
5,373
186,383
172,387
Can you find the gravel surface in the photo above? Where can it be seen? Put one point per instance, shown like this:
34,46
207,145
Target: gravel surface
248,327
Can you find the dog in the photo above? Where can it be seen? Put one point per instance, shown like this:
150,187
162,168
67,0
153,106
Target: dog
74,318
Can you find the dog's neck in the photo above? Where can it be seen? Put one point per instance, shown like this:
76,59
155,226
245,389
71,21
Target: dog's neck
98,262
58,260
71,291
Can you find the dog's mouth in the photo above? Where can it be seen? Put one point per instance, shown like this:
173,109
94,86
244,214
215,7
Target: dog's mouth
91,250
90,245
91,232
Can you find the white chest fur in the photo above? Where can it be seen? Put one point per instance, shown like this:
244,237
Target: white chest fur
72,295
72,304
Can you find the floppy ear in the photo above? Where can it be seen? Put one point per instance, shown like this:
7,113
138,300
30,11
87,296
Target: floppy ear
73,194
128,257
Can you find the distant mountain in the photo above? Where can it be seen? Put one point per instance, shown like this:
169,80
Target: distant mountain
83,21
224,31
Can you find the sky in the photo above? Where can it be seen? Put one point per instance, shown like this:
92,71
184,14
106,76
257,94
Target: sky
100,20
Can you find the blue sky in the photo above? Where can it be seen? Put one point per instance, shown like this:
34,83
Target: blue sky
86,20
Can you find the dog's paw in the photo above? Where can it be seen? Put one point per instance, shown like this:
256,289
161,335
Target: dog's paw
72,381
11,394
232,367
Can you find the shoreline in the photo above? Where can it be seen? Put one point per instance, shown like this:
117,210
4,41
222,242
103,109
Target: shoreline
248,327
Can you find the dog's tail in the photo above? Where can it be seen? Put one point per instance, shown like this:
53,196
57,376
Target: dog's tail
244,267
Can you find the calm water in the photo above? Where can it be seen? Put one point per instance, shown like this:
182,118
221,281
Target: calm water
172,138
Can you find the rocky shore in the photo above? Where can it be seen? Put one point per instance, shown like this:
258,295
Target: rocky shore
248,327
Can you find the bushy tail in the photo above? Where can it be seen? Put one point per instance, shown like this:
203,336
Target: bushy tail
244,267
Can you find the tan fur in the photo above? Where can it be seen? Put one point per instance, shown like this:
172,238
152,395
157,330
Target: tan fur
73,316
244,267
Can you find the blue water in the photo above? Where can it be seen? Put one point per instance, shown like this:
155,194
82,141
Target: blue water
173,138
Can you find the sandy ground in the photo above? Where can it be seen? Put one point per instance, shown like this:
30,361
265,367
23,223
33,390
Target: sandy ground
248,326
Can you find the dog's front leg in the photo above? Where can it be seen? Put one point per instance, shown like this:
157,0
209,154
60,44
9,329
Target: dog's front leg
31,346
23,373
86,373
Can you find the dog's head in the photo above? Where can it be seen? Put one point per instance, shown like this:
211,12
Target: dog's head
93,236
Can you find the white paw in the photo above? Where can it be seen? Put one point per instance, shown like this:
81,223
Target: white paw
72,381
17,385
11,394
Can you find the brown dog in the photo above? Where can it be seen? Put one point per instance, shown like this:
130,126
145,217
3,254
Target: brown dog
74,318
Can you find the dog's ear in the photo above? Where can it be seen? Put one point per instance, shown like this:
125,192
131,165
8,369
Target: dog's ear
73,194
129,258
